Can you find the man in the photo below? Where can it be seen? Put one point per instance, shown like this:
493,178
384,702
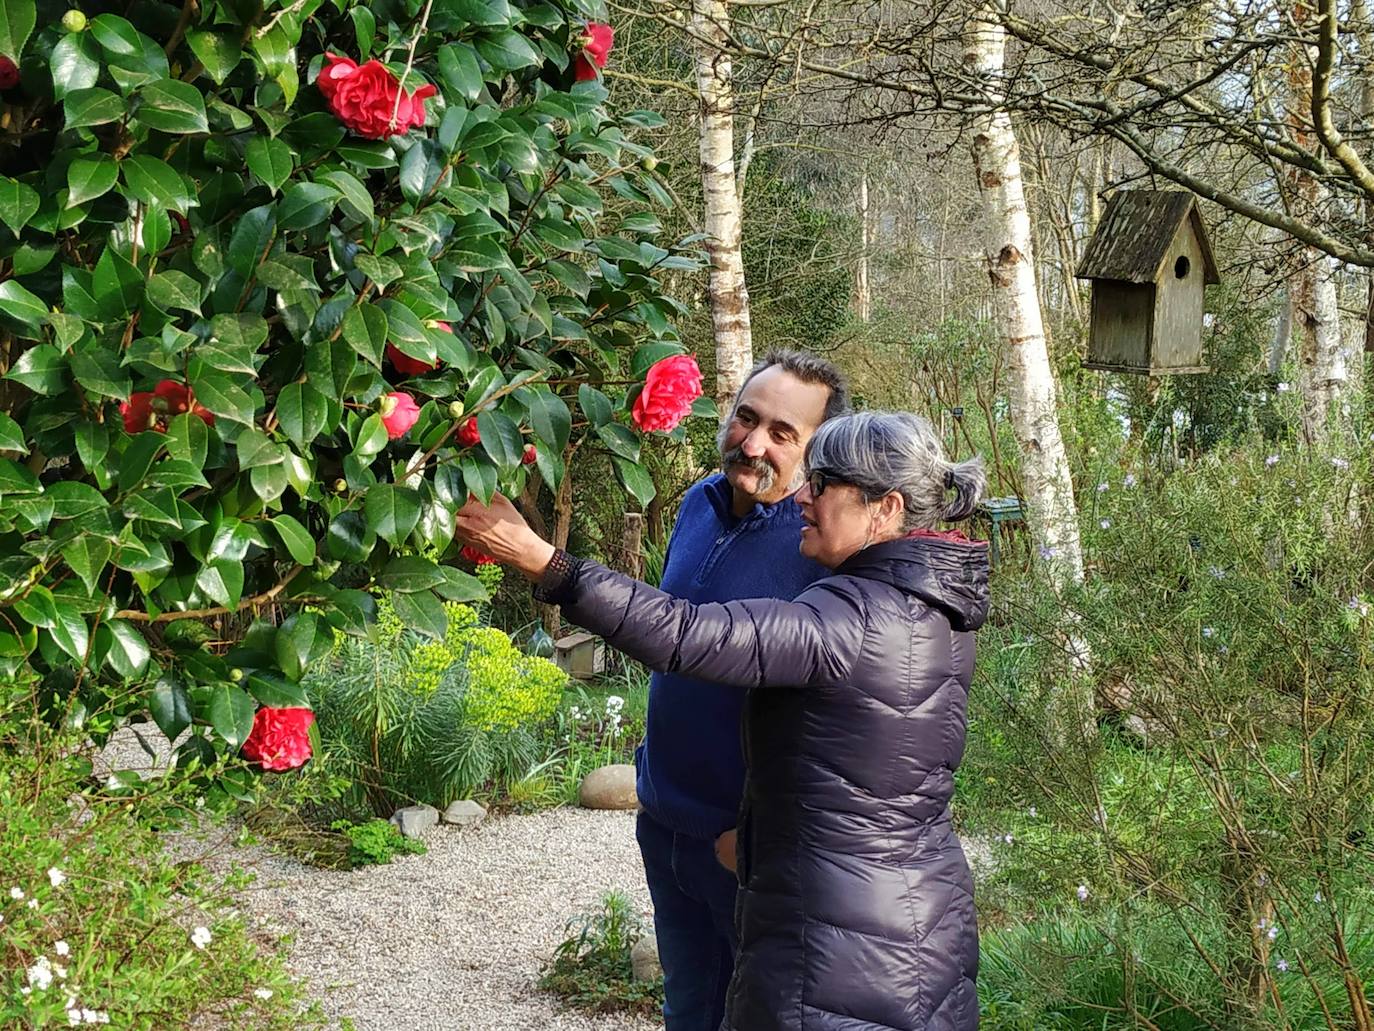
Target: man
736,536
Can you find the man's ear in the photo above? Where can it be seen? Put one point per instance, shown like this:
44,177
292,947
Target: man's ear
891,510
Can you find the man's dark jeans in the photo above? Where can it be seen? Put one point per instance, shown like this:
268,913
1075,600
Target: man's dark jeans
694,920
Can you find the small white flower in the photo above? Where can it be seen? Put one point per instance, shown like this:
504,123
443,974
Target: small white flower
112,782
1007,839
1271,461
1283,388
1082,893
614,703
1340,463
1208,631
1272,933
1032,812
1317,897
1281,965
40,974
1106,524
200,937
262,993
60,971
32,903
16,893
73,1016
56,877
1102,487
61,948
200,801
1129,481
1217,572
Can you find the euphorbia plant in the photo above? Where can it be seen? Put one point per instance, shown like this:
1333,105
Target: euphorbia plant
280,284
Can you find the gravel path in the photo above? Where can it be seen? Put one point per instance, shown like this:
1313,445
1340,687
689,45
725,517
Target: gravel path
453,940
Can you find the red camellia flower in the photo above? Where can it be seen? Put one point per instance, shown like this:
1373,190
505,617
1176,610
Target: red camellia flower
596,51
399,412
408,366
280,739
150,409
364,97
669,390
468,434
530,456
477,555
9,74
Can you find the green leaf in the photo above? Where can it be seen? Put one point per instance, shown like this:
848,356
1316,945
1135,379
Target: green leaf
70,632
252,236
365,330
391,512
269,160
620,440
480,478
11,436
302,640
154,182
89,178
357,201
218,52
230,713
18,203
364,28
551,420
94,106
138,458
304,205
269,481
349,538
372,437
127,652
461,586
116,285
15,479
22,305
170,706
223,396
410,573
188,438
257,448
596,406
635,480
117,35
222,582
17,19
86,557
506,50
277,692
301,411
233,341
169,105
297,540
75,63
72,499
422,612
330,365
173,290
500,439
459,68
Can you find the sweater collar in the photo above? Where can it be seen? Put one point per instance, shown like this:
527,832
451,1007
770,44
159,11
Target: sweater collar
721,495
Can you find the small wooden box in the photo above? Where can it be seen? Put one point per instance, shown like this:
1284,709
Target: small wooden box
582,655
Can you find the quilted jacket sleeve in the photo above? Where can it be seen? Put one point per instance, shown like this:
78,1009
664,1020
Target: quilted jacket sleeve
762,642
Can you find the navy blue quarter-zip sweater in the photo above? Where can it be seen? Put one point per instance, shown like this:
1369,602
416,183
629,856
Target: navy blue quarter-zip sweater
691,765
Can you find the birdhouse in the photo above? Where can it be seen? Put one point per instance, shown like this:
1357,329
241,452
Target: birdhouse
582,656
1148,261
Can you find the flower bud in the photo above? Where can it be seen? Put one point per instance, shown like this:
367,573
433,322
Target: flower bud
340,485
649,163
388,405
73,20
530,456
456,409
236,674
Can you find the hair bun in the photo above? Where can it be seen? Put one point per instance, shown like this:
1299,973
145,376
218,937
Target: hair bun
949,478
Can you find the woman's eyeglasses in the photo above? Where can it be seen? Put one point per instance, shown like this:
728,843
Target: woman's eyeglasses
819,479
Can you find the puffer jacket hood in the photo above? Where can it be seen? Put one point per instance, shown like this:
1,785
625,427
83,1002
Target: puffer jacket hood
947,571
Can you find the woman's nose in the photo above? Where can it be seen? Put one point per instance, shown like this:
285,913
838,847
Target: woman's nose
804,495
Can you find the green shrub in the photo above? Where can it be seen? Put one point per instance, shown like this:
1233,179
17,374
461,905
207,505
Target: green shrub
591,968
377,842
408,719
98,917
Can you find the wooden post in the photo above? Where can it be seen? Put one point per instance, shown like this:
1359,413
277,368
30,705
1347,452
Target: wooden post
631,544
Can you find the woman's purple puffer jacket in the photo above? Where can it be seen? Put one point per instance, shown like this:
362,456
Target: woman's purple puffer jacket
855,910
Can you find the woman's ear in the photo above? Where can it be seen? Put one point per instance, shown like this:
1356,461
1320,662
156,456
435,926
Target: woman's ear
891,510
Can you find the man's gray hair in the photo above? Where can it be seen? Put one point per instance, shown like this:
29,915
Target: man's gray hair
882,452
809,369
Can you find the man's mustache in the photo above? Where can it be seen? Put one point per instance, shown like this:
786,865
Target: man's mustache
736,456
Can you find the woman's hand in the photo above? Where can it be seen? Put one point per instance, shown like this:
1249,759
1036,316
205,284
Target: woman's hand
725,850
501,531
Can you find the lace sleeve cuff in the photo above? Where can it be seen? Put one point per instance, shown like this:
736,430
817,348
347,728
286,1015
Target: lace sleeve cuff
556,583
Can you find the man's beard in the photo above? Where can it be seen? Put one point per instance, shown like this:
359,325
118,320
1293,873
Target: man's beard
760,467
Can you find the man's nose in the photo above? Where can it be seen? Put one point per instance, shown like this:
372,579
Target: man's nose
755,444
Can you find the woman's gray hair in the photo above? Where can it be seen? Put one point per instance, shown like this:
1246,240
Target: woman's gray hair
882,452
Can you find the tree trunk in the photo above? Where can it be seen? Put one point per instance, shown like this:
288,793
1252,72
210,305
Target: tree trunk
862,300
729,298
1032,392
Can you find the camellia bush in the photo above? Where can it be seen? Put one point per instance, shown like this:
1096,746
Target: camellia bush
281,285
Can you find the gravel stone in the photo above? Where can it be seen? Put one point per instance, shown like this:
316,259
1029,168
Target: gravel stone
415,821
453,940
464,813
609,787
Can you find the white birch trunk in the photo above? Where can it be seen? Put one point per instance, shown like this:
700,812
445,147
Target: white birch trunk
729,298
1033,394
862,299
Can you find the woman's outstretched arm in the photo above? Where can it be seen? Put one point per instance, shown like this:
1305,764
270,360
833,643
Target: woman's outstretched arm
812,641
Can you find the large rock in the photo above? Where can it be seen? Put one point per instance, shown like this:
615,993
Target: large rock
644,959
464,813
610,787
415,821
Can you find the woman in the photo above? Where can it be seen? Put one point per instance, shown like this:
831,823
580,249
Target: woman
855,910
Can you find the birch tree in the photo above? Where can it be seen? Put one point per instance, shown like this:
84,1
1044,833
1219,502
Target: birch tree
729,296
1031,389
863,303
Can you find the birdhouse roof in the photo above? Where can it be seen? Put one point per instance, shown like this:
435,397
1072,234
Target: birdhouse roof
1133,239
